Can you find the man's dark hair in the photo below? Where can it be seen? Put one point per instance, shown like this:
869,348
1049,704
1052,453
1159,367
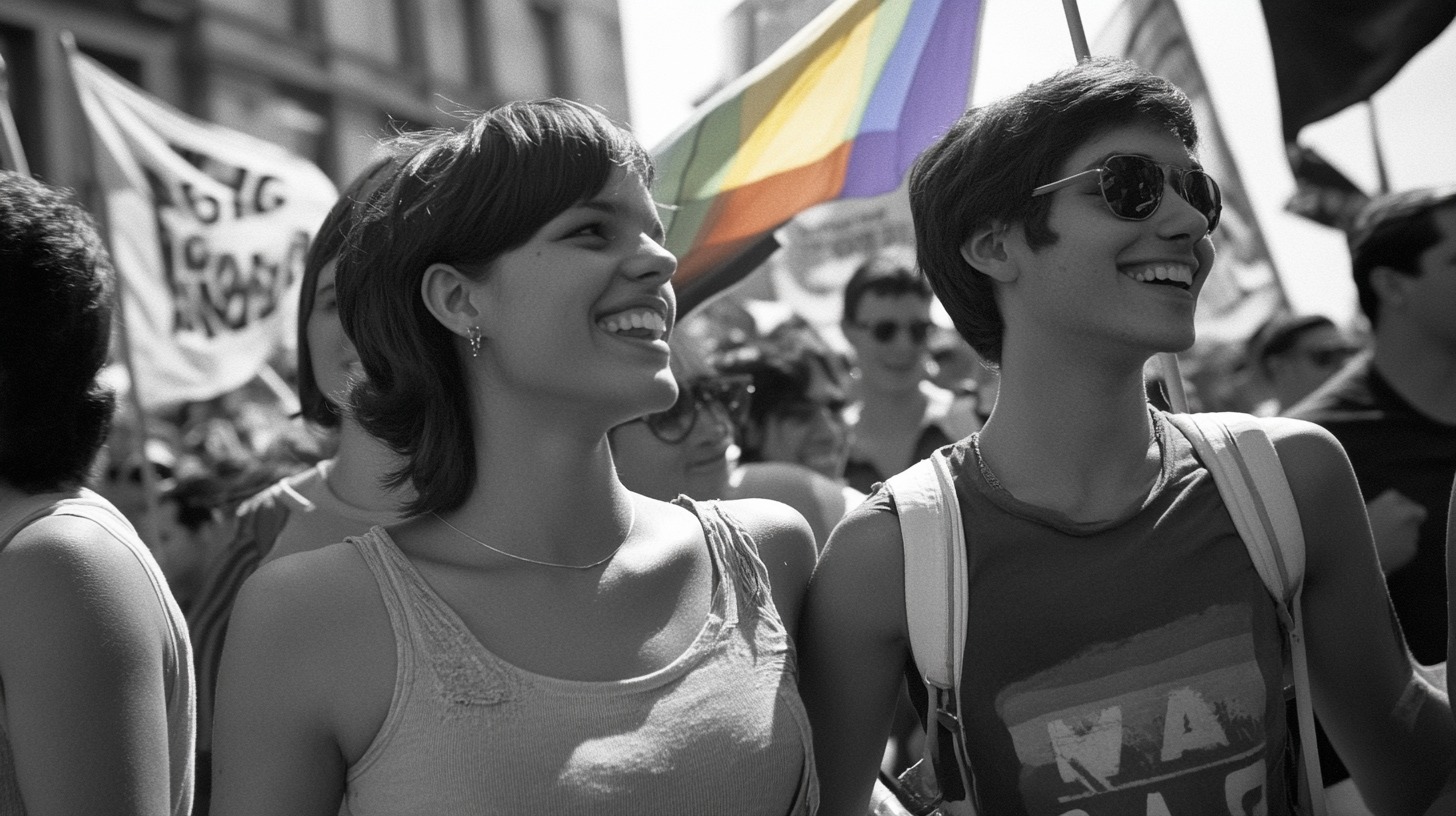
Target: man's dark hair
56,290
1281,333
889,272
983,170
1393,231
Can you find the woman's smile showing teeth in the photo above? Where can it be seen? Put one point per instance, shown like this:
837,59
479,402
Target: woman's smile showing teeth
640,323
1169,274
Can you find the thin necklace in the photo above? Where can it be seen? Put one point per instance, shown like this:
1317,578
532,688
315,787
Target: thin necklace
593,565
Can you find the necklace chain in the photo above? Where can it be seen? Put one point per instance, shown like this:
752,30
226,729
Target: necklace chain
995,483
631,525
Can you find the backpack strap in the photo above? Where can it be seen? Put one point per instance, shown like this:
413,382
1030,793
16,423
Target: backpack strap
1238,454
935,608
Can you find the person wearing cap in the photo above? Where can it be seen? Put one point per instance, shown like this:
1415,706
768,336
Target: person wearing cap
1394,409
1295,354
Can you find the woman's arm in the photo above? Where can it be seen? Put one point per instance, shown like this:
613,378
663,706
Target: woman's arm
852,650
82,639
305,682
1392,727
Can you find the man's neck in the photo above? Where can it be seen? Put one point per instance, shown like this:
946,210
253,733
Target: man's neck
1421,372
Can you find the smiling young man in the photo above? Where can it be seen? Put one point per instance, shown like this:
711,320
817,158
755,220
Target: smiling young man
898,415
1122,653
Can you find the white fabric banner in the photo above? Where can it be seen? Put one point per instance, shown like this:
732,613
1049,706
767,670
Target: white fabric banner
207,227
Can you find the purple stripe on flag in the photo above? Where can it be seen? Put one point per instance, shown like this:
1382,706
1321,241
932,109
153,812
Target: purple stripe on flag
936,96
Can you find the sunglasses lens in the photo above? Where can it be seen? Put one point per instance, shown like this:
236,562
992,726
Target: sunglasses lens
1202,192
673,425
1132,186
885,331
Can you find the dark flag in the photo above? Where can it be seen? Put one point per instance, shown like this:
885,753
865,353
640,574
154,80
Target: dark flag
1329,55
1322,193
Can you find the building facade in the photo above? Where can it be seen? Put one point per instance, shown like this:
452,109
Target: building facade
325,78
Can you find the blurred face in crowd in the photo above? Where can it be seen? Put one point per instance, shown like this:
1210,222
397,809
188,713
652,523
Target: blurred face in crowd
335,363
685,449
1317,354
1428,299
811,430
889,335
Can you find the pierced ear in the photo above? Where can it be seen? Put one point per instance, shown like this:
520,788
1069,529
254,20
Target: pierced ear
986,251
449,294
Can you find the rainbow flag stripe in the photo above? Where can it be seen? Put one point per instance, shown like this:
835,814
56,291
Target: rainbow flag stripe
840,111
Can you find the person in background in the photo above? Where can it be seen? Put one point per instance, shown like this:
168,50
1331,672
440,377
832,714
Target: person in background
690,448
533,637
96,714
1394,409
339,496
1124,656
797,411
1295,355
898,416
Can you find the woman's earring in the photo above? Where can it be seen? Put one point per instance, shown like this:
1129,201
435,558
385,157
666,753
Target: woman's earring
473,335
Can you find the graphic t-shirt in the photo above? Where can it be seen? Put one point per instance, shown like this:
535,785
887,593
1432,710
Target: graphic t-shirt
1132,666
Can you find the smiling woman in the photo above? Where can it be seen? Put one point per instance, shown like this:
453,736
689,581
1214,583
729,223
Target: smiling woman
533,636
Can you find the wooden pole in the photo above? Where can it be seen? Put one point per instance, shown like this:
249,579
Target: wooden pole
12,153
151,530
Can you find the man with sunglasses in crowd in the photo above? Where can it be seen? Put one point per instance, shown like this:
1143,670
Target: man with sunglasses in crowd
1294,355
1394,410
1122,654
898,415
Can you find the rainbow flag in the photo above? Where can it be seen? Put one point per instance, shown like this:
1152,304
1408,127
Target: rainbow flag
840,111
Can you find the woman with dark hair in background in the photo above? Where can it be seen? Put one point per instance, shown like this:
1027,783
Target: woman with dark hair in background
535,637
96,714
338,497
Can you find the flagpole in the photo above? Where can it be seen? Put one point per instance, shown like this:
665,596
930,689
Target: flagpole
151,531
12,153
1172,376
1379,152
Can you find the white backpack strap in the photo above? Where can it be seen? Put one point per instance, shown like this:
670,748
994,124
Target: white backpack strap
936,601
1238,454
935,567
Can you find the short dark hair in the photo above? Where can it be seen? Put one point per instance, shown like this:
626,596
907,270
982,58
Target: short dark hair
887,273
1392,231
460,197
983,170
1280,333
327,242
56,292
782,373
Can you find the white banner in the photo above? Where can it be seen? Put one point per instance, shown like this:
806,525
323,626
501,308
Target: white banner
207,227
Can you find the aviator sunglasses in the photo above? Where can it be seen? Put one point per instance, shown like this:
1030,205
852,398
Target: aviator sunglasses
728,394
885,331
1132,186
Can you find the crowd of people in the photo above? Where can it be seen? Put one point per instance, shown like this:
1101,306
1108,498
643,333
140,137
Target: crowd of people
535,541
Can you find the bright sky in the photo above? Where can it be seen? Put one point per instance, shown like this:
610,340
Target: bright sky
675,51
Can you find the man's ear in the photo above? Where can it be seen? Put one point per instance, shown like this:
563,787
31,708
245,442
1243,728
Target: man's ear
1390,286
451,296
987,251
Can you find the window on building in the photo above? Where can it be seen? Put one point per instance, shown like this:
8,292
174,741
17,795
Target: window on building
285,15
288,117
550,33
367,27
446,27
